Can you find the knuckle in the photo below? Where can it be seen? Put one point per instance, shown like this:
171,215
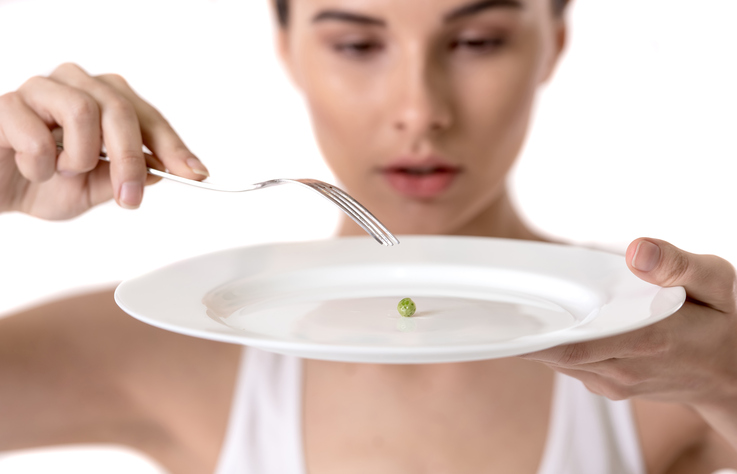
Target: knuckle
115,79
68,68
593,388
83,109
677,268
39,149
34,82
10,99
34,160
574,354
129,158
119,105
616,392
623,376
608,389
653,341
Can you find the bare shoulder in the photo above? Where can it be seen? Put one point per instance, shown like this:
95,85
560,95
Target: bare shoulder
81,370
676,440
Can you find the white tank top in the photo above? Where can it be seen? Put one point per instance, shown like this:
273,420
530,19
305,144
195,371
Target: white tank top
587,433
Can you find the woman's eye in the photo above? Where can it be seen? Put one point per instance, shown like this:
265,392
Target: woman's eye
477,44
358,48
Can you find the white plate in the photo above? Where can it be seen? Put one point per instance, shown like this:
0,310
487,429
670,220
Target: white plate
477,298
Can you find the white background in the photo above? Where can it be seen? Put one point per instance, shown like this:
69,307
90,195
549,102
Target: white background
636,136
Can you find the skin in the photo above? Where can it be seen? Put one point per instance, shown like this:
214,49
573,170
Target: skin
82,112
468,104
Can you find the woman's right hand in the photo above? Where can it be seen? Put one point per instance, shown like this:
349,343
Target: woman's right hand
83,112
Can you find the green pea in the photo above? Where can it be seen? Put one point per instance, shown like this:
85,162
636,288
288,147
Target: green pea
406,307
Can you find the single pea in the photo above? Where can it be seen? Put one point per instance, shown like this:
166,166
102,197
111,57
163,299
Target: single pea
406,307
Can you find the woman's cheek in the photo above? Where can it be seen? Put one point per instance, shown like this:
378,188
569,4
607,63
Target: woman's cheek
344,106
337,124
499,95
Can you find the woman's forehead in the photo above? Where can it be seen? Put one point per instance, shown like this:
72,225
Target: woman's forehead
437,9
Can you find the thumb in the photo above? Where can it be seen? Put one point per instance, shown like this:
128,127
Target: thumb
708,279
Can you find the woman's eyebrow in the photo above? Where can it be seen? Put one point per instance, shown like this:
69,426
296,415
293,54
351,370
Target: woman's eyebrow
476,7
339,15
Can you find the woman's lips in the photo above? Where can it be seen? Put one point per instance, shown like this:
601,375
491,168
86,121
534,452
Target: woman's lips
424,181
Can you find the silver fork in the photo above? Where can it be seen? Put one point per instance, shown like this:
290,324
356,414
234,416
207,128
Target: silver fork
337,196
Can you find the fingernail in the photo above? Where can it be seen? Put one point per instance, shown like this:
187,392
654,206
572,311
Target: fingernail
646,257
131,194
197,167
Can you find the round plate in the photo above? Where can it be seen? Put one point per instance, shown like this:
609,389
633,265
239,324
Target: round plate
477,298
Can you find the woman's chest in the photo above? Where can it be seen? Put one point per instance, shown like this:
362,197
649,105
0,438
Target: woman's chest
374,426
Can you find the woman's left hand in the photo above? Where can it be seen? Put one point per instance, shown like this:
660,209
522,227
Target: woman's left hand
689,357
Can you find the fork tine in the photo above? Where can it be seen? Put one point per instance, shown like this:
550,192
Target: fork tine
355,215
369,216
361,218
357,212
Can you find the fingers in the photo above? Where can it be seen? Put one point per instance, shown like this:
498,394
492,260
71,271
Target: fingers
610,388
706,278
91,111
620,379
73,110
668,360
677,358
121,133
24,132
650,341
158,135
601,365
98,180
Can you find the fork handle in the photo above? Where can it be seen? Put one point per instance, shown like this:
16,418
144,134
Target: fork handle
179,179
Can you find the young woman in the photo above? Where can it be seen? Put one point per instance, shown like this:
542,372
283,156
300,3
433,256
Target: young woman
420,108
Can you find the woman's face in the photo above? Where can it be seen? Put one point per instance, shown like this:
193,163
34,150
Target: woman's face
421,106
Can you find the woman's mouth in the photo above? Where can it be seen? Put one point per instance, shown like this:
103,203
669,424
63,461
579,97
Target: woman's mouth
426,180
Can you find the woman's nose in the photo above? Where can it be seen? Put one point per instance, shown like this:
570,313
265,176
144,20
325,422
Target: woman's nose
423,97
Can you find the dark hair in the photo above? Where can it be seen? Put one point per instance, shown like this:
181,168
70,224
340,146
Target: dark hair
282,10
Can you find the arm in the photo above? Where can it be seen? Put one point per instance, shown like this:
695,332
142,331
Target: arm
60,364
82,371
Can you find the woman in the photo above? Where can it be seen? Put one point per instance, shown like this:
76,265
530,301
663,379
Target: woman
444,90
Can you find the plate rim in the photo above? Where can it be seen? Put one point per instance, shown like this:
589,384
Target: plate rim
311,349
